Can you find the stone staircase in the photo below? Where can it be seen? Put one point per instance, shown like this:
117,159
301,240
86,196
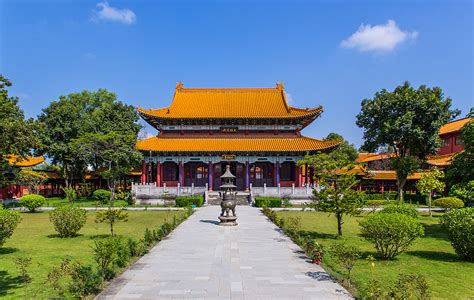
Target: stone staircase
213,198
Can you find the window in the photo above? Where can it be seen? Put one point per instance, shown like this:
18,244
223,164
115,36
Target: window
459,141
445,142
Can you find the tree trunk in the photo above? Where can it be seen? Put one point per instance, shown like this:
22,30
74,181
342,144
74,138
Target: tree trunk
429,203
400,187
339,224
112,228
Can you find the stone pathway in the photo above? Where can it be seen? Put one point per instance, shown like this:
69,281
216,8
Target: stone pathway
202,260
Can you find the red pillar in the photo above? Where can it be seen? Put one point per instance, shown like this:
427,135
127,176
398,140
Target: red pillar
298,176
158,174
143,177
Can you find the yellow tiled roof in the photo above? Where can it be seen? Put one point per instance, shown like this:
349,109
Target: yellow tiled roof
193,103
440,160
28,161
251,144
453,126
366,157
391,175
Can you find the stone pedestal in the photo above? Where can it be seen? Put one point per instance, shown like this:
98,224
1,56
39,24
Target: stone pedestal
228,221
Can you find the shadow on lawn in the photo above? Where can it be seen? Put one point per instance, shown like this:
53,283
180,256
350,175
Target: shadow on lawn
8,250
435,231
319,235
8,282
99,236
435,255
57,236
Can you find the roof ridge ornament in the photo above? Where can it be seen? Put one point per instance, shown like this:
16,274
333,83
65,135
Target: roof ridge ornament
179,86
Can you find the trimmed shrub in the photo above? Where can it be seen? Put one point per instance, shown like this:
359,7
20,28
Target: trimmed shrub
107,255
391,233
9,219
32,202
68,220
410,286
401,209
448,203
102,196
84,281
459,224
189,201
268,202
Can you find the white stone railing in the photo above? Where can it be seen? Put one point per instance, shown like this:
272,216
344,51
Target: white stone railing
290,192
151,191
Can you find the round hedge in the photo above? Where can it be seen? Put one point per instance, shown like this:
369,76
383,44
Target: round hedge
102,196
391,233
459,224
68,220
9,219
448,203
32,202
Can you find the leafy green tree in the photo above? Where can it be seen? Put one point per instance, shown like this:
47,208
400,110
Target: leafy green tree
336,194
431,182
18,136
345,147
114,154
33,179
76,115
461,170
406,120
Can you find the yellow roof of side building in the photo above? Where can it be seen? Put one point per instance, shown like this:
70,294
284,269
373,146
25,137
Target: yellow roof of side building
255,144
193,103
453,126
28,161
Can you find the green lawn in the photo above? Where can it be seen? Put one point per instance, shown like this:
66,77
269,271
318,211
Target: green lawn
431,256
81,202
35,237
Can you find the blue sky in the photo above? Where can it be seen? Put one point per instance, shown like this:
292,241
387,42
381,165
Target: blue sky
329,53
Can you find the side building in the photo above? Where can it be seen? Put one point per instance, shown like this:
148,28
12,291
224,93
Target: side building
253,130
377,175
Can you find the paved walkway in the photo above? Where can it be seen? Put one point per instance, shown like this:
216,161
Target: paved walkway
202,260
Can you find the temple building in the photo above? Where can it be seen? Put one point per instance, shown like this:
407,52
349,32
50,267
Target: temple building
254,130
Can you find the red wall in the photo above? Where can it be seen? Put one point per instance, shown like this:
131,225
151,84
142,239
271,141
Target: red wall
452,147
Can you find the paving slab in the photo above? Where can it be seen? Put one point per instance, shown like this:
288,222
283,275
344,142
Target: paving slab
202,260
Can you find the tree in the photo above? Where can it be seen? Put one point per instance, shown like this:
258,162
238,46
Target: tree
113,154
111,216
406,120
461,170
76,115
431,182
348,149
33,179
17,134
336,195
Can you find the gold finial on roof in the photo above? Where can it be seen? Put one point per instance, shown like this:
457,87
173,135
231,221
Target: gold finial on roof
179,85
280,86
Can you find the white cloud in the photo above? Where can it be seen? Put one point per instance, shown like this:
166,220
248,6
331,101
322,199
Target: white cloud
378,38
110,13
